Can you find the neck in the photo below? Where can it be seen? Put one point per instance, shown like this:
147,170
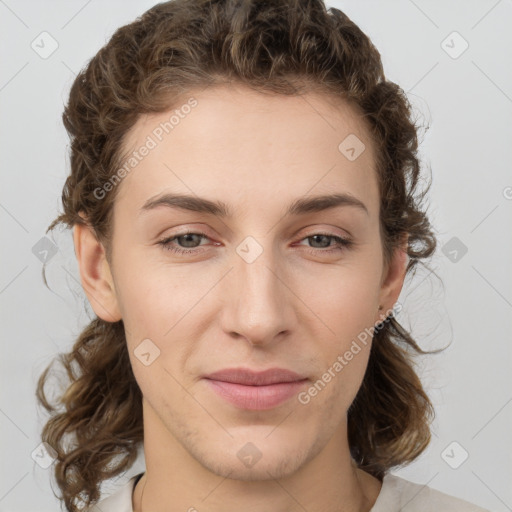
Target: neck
328,481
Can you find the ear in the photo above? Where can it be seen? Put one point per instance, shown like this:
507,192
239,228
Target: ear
393,279
95,273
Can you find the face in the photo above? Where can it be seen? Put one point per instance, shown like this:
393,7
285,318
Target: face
261,285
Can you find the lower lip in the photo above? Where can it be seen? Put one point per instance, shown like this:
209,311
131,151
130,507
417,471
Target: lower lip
256,398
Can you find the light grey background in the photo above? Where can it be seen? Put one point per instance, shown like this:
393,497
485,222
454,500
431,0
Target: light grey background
467,101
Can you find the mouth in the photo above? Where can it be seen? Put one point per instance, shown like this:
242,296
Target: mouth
251,390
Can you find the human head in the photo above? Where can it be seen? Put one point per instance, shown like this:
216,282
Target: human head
146,69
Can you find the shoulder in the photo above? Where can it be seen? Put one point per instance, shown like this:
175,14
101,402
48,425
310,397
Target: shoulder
405,496
396,494
120,500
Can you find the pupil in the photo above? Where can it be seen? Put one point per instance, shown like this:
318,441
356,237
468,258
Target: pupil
187,239
315,237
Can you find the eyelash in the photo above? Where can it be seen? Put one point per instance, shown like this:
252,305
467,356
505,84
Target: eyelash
342,243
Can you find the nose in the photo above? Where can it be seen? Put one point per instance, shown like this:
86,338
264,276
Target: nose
258,305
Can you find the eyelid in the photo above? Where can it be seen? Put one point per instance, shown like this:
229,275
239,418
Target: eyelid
329,229
341,243
298,235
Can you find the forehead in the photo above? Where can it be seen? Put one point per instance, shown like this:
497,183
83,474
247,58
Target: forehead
233,142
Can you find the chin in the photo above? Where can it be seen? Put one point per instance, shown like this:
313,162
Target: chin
273,467
254,455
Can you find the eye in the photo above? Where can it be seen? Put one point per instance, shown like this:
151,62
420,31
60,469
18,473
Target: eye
188,237
340,242
192,242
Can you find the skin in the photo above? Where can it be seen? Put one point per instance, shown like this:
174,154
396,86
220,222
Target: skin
296,306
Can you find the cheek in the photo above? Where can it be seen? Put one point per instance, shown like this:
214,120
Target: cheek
345,301
346,311
160,304
151,296
331,394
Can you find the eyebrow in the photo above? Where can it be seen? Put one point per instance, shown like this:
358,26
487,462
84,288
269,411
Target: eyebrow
300,206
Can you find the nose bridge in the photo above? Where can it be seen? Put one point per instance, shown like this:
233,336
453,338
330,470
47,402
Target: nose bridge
258,296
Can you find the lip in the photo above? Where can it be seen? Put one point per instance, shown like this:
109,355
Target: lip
252,390
255,378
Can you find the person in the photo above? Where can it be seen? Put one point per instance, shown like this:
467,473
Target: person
245,208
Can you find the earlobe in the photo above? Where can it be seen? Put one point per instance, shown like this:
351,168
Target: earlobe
95,274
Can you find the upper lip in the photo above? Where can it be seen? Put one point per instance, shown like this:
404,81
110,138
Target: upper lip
255,378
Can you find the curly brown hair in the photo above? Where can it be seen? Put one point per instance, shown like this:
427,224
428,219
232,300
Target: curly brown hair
286,47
